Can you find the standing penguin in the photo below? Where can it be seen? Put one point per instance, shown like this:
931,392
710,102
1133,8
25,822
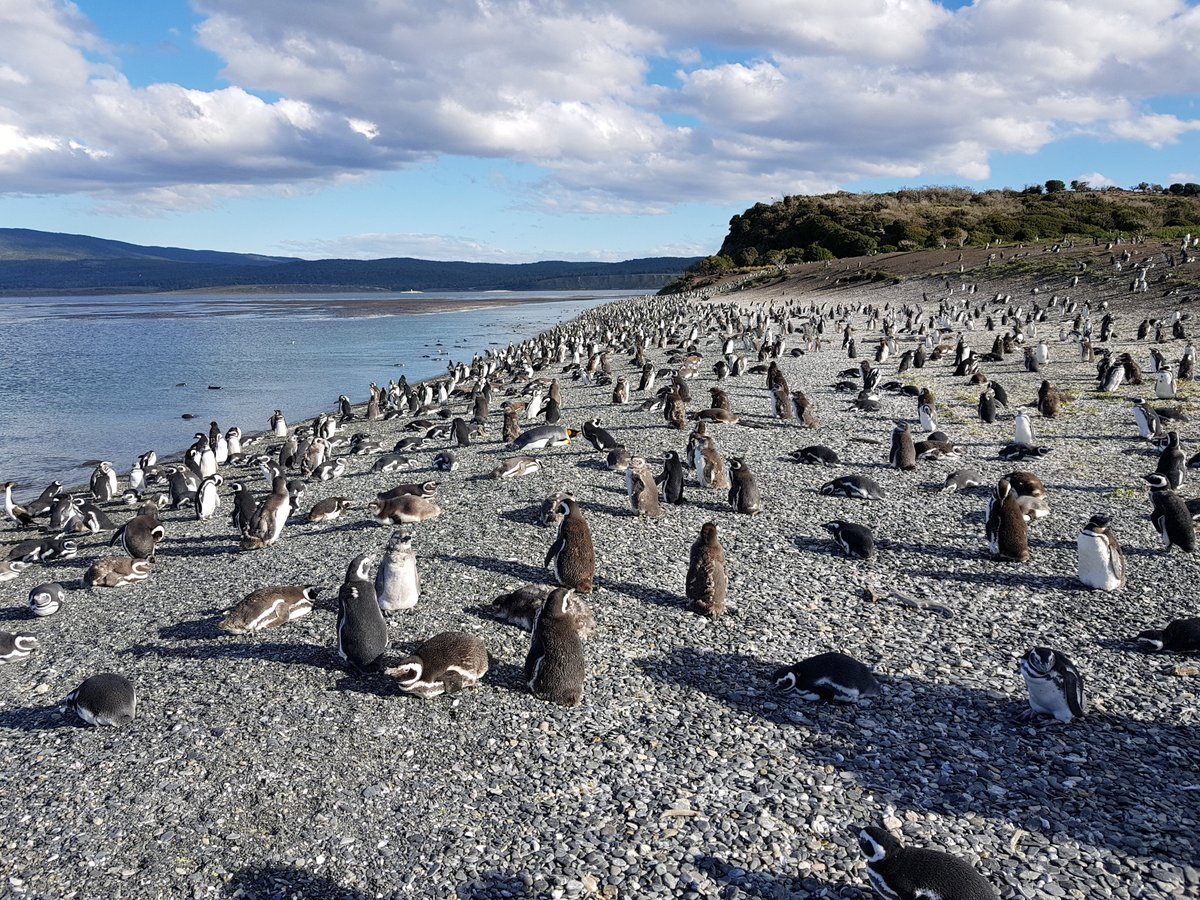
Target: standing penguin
397,583
207,498
743,490
104,482
642,491
711,470
910,873
1055,685
272,514
142,534
1171,462
1007,534
1169,515
987,406
572,554
1022,429
361,631
707,581
554,665
1101,563
462,434
903,453
278,425
1147,420
671,478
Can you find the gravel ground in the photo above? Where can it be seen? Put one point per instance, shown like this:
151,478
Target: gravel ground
258,767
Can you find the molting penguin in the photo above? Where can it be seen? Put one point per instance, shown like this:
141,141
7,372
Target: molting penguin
269,607
1169,515
116,572
445,664
707,582
641,489
266,525
572,553
329,509
104,699
815,455
855,540
521,607
903,454
362,635
743,490
1171,462
1101,563
516,467
1180,636
909,873
397,583
554,665
406,509
1055,685
827,677
1007,533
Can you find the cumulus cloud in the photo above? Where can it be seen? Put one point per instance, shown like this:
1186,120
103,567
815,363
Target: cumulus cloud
760,103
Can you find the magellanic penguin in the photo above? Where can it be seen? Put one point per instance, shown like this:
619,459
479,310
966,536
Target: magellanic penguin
329,509
1180,636
269,607
707,582
115,572
266,525
815,455
397,583
46,599
208,497
670,480
711,469
987,406
641,489
1022,429
1101,562
278,425
910,873
1169,515
426,489
962,479
521,607
858,487
554,665
598,437
445,664
141,535
572,554
11,569
104,699
1171,462
362,634
902,454
854,539
445,461
516,467
1007,533
744,495
14,647
827,677
406,509
104,482
1055,685
550,513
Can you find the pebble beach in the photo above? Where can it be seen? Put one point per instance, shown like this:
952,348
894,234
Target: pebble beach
259,767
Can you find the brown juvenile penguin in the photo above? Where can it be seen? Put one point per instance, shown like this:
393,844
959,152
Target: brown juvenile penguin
572,554
554,665
1007,533
642,490
743,490
707,583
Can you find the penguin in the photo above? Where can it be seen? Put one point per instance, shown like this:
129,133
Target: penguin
1055,685
14,647
207,497
744,496
620,394
675,410
1022,429
987,406
511,429
269,607
855,540
426,489
927,416
542,436
1007,534
858,487
903,454
516,467
572,554
329,470
1018,452
244,506
270,517
1146,418
16,513
550,513
707,586
618,459
910,873
391,462
670,480
10,569
554,665
46,599
115,572
406,509
445,664
1171,462
103,483
1164,385
815,455
1180,636
329,509
827,677
1101,564
278,426
104,699
362,635
398,583
641,489
962,479
1169,515
520,608
711,469
462,434
44,550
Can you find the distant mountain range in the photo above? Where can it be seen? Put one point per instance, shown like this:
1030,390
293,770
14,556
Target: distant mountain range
42,262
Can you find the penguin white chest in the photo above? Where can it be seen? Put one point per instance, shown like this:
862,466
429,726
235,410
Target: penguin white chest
1095,563
1046,697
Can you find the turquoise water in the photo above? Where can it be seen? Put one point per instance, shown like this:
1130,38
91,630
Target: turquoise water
86,378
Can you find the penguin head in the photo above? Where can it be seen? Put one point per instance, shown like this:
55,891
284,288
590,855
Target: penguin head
1003,489
1157,482
835,526
877,844
1039,660
1150,641
1098,523
360,568
784,681
408,671
558,604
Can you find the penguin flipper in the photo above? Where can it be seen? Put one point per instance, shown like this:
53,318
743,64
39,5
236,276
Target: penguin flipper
555,549
118,535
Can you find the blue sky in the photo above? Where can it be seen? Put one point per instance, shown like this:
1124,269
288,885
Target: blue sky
506,131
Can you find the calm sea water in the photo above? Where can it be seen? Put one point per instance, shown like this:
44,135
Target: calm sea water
86,378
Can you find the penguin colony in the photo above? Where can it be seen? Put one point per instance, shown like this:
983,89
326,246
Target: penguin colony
492,418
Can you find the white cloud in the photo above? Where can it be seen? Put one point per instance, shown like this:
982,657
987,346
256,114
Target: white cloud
804,102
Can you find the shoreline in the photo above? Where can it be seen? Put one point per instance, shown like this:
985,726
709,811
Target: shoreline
258,765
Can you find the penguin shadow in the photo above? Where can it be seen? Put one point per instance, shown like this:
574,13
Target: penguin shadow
1081,488
521,571
17,613
348,526
244,647
819,546
709,505
621,512
644,593
508,676
940,551
737,882
527,515
204,629
375,683
497,884
1006,574
272,882
38,718
598,465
